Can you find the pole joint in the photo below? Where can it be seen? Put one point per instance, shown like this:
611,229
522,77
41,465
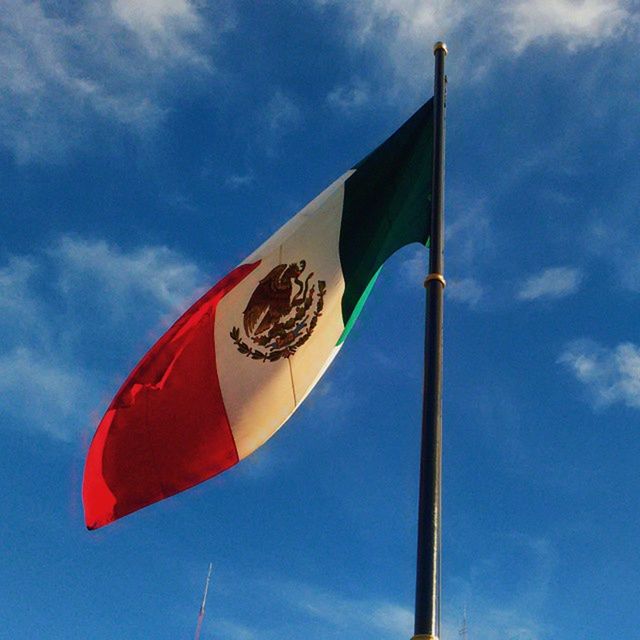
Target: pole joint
438,277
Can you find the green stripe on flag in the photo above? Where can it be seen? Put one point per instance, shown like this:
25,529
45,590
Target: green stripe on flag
386,206
358,308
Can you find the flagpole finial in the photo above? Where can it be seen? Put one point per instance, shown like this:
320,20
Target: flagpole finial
440,45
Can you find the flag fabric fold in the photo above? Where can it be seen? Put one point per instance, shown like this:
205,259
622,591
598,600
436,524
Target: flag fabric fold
226,376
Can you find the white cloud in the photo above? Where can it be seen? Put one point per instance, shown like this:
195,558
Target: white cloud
349,98
393,619
556,282
497,623
465,290
280,116
382,618
38,386
495,611
164,27
80,297
575,23
616,243
229,630
469,233
414,268
282,113
627,263
389,620
516,616
64,72
479,31
44,393
471,245
239,180
408,19
14,296
156,272
402,32
327,403
611,375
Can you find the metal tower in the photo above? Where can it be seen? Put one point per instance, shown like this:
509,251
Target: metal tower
204,603
462,632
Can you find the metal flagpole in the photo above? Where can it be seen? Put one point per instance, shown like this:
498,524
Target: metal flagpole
427,613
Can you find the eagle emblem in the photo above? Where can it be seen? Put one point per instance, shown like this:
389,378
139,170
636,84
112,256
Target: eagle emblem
281,314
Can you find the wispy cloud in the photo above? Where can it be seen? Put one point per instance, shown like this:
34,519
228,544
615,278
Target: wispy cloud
402,31
575,23
500,622
65,71
556,282
39,386
393,619
156,272
281,115
470,235
414,267
518,615
350,97
165,28
45,393
239,180
385,619
617,244
319,611
465,290
230,630
17,303
410,19
313,611
611,375
71,300
469,246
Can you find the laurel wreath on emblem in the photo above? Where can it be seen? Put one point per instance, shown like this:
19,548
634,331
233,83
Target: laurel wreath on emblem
278,317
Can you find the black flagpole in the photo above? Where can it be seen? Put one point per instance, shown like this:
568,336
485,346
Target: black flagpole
427,616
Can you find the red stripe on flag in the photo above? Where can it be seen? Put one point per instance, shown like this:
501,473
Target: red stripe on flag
167,428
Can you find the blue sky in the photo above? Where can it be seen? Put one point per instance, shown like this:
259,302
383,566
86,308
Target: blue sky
147,147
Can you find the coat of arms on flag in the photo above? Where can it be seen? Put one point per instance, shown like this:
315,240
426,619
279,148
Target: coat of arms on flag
281,314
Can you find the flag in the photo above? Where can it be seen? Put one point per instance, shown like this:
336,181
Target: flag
228,374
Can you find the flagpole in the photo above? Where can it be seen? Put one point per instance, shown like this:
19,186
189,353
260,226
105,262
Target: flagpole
427,612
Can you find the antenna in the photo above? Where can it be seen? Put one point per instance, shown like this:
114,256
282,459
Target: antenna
204,603
462,632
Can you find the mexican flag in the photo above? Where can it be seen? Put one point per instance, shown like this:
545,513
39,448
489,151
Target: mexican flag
231,371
